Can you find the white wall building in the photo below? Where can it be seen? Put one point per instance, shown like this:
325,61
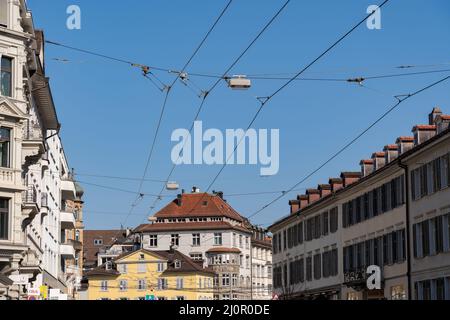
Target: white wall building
34,179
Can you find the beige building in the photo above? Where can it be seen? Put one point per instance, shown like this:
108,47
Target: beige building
398,203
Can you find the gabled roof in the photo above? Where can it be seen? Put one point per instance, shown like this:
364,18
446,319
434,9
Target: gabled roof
198,205
188,226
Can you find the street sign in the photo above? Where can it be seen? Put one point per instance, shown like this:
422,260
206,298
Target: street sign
35,292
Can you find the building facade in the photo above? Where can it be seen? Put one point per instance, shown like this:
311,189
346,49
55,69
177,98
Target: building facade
392,214
207,229
34,174
151,275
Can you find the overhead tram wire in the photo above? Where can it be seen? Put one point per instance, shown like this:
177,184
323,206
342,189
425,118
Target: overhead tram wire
400,100
219,79
168,91
265,100
256,76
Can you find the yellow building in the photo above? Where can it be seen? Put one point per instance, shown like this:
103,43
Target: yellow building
151,275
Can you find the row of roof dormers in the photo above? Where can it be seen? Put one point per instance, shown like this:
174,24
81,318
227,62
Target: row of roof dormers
437,123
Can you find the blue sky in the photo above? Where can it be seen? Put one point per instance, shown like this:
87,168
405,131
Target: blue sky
109,111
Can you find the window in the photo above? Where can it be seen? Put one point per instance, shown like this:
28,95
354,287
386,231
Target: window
175,239
180,283
4,219
334,220
317,267
217,239
177,264
325,224
77,235
98,242
247,242
104,286
161,267
153,239
309,269
6,77
122,268
225,279
234,240
5,147
142,268
196,239
123,285
196,256
141,284
241,242
162,284
4,13
234,280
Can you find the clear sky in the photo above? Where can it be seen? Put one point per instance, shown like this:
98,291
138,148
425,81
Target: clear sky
109,111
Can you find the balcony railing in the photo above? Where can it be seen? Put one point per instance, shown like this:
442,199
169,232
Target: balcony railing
30,195
32,132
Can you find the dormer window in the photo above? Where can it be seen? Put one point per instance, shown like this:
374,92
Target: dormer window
108,265
98,242
177,264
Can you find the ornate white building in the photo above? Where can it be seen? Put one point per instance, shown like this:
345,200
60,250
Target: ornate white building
34,175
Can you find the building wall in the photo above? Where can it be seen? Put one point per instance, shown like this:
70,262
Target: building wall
196,286
206,243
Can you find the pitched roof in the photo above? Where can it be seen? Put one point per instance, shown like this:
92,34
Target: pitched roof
223,250
198,205
187,226
109,237
187,264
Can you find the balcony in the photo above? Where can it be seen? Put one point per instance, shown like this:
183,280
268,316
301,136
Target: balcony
30,207
68,190
67,251
73,270
44,203
67,220
33,137
78,246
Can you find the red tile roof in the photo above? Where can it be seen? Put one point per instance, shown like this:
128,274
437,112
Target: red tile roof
405,139
199,205
186,226
425,127
224,250
108,237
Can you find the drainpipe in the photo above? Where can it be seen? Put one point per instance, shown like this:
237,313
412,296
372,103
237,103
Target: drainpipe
408,237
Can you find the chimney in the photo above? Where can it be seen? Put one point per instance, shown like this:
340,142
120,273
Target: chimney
433,115
423,133
350,177
313,195
391,152
219,194
324,189
366,167
195,189
405,144
303,199
179,200
379,160
295,206
336,184
442,123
